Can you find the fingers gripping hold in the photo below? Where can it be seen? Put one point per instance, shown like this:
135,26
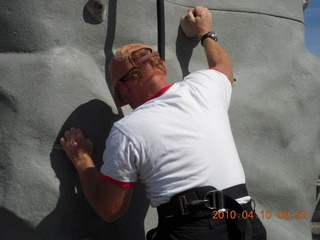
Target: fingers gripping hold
75,144
199,22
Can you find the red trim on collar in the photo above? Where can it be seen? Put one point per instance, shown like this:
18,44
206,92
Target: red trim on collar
160,92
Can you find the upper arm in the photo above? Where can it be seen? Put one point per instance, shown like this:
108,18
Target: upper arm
218,58
226,70
112,200
118,177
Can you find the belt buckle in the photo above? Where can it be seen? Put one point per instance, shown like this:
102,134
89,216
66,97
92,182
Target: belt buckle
216,199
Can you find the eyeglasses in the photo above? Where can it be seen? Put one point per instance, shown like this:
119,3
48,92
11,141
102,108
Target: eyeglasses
127,76
124,78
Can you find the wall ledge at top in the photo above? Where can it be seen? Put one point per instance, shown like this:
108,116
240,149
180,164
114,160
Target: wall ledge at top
274,8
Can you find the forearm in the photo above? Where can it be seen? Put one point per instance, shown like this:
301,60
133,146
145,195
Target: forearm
92,187
200,20
218,58
108,200
89,179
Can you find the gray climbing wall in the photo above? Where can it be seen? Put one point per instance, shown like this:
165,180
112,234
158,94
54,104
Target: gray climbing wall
53,58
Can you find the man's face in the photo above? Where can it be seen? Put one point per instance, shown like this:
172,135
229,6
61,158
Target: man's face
129,91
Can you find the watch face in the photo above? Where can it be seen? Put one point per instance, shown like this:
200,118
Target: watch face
214,36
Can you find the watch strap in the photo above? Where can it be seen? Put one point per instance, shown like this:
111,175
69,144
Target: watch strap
211,35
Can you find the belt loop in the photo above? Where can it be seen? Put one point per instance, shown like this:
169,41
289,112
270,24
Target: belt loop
220,199
183,205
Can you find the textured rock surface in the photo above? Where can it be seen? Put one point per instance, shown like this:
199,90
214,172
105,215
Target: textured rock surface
53,76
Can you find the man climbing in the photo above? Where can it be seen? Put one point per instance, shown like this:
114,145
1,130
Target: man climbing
177,141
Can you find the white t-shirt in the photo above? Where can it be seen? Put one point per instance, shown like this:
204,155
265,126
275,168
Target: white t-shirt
177,141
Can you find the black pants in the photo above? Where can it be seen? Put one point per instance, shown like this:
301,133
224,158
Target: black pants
205,228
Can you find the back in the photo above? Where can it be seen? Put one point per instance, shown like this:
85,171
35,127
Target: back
177,141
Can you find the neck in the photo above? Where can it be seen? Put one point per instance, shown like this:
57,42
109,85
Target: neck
155,84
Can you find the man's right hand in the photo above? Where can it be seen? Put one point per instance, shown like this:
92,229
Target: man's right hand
200,20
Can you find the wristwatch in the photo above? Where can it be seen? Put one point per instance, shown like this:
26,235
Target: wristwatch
211,35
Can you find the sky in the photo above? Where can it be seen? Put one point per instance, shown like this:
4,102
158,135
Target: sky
312,27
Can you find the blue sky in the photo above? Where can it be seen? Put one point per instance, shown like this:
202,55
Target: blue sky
312,27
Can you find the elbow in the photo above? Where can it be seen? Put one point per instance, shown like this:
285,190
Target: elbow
226,69
109,219
231,78
229,74
111,216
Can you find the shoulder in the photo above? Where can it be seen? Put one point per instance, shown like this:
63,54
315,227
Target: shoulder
212,84
116,140
208,75
209,78
131,128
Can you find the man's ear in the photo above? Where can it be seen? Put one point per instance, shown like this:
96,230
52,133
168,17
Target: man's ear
124,87
164,66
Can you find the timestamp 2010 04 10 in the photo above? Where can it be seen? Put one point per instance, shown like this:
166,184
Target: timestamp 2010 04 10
281,214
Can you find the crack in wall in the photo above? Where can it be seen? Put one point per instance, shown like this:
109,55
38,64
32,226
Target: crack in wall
242,11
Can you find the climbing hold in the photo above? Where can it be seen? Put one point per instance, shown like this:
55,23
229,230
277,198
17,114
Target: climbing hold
58,147
97,9
305,3
186,27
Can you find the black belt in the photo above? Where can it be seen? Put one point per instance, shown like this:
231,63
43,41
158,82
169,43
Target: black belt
237,191
199,202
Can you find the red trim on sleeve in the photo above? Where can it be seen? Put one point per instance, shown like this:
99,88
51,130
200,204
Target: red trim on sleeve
116,182
216,70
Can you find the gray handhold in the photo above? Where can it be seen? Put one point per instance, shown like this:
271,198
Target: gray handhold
187,29
58,147
98,9
305,3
